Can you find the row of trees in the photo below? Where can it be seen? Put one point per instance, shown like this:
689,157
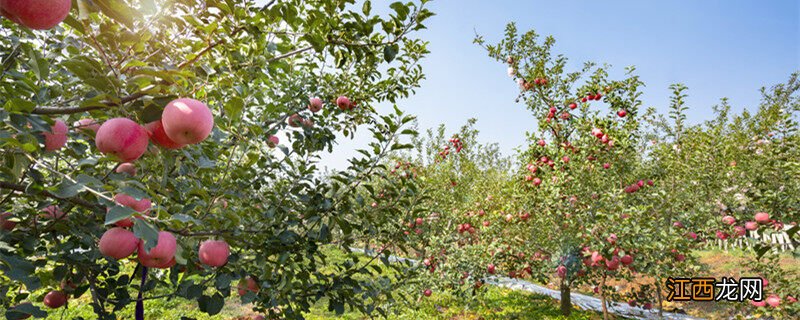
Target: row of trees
608,190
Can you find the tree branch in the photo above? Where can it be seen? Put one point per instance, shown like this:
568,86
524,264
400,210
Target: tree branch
76,201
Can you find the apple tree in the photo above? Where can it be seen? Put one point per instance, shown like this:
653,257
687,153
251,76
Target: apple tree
172,149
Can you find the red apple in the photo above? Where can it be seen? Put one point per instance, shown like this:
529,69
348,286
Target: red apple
87,126
344,103
248,284
758,304
5,224
57,137
561,271
491,269
573,106
419,221
159,137
692,235
622,113
606,165
161,254
36,14
596,258
127,167
739,231
273,141
565,159
762,217
122,139
680,257
729,220
315,104
751,225
612,239
53,212
118,243
612,264
214,253
537,181
55,299
295,121
187,121
774,301
677,224
626,259
541,143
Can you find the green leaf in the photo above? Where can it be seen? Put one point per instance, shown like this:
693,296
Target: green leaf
211,305
68,189
147,232
24,311
119,11
20,270
19,105
234,108
390,52
118,213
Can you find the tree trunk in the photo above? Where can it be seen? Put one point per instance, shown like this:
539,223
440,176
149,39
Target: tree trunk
566,302
603,298
658,296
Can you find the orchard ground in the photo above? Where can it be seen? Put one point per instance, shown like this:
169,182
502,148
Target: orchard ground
493,303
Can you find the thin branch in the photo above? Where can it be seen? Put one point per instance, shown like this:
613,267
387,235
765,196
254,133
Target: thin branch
76,201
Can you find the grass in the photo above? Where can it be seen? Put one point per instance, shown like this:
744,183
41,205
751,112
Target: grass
496,303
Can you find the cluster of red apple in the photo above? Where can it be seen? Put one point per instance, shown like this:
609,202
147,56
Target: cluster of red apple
415,226
740,231
590,97
408,171
466,227
457,144
594,259
598,133
36,14
637,185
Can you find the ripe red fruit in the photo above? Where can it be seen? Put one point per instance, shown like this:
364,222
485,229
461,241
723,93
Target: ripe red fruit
541,143
739,231
626,259
650,183
295,121
57,137
491,269
680,257
597,133
758,304
118,243
419,221
622,113
159,137
187,121
691,235
537,181
612,239
604,138
590,97
55,299
5,224
584,100
774,301
751,225
561,271
87,126
565,116
273,141
612,264
315,104
122,139
729,220
791,299
606,165
677,224
762,217
127,167
161,254
248,284
598,96
596,258
486,223
308,123
344,103
141,206
214,253
573,106
553,110
427,292
565,159
53,212
36,14
640,183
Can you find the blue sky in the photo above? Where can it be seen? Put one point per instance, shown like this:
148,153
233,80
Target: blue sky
717,48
